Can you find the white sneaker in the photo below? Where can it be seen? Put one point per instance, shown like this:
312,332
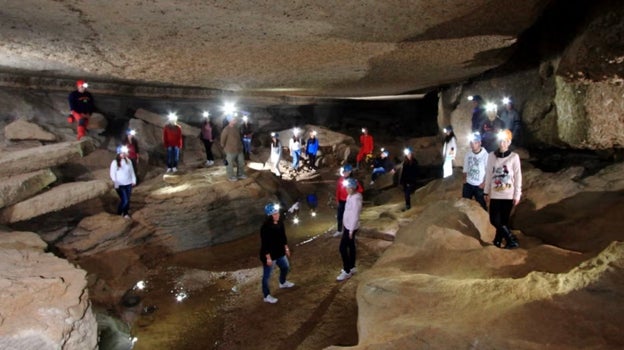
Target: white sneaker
211,162
337,234
127,216
208,163
269,299
174,169
169,170
343,276
353,270
372,183
286,284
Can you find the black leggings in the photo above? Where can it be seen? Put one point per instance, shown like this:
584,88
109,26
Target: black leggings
208,146
347,250
500,211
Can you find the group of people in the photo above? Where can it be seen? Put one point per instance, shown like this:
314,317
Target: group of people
488,122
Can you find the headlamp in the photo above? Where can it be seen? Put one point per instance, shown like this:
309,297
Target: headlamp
172,117
206,114
506,100
490,107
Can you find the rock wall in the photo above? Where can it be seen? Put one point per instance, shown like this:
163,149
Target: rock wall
44,299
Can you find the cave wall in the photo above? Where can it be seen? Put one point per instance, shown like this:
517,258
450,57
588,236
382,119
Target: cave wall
572,98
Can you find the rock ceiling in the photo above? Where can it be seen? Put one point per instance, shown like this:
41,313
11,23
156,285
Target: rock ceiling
271,47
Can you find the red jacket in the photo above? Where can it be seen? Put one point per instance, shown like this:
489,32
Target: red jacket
172,136
341,190
366,141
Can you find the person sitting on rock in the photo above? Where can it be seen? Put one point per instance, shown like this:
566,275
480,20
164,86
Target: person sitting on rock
381,165
82,106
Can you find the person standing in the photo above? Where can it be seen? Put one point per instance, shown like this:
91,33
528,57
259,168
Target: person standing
129,140
381,165
351,224
273,251
82,106
207,135
511,119
346,173
172,140
491,127
366,146
478,113
246,132
233,148
503,188
448,151
312,147
276,154
409,175
474,171
123,177
295,149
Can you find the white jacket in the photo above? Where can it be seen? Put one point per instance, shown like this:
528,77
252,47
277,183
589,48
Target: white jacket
123,175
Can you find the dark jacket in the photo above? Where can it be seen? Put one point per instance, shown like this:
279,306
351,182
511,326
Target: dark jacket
272,240
81,102
409,173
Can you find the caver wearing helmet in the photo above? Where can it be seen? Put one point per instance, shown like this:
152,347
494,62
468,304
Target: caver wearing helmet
341,194
273,250
271,208
81,105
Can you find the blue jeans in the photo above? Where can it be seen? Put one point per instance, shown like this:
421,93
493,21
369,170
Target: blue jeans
124,193
284,267
377,172
246,145
173,155
469,191
295,156
237,158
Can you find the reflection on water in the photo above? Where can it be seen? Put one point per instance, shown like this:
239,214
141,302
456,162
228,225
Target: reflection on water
177,302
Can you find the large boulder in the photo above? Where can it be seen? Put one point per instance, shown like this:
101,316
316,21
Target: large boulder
202,208
94,234
24,130
57,198
19,187
44,299
36,158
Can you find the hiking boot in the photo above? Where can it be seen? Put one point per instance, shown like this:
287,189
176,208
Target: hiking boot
286,284
512,245
269,299
497,244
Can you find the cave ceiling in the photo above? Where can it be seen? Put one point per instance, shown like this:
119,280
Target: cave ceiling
272,47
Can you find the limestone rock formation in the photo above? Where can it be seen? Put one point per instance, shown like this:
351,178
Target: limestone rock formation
28,160
57,198
203,208
19,187
94,234
23,130
45,303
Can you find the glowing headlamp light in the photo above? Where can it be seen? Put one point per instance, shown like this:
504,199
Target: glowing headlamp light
501,136
133,132
506,100
296,131
245,118
406,151
314,132
123,149
85,85
229,108
490,107
206,114
272,134
172,117
470,98
363,130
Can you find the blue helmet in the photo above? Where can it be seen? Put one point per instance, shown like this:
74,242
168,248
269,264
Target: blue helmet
347,167
271,209
350,183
